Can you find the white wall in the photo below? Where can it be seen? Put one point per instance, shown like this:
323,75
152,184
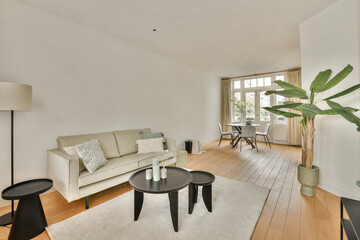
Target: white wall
331,40
84,82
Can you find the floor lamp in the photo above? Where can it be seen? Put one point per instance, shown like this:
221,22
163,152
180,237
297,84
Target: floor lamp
13,97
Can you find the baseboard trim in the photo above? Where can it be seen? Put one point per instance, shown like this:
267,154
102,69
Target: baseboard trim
336,191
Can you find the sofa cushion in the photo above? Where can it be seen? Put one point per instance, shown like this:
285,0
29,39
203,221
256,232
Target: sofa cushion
107,142
117,166
126,140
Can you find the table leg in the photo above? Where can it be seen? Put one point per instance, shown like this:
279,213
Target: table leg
138,202
174,208
191,198
207,196
29,219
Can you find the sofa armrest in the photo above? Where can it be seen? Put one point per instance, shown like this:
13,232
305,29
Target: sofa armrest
170,144
63,169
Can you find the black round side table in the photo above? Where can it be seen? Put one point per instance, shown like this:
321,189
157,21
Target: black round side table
205,179
29,220
177,179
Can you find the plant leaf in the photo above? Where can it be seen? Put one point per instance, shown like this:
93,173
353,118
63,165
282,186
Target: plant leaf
291,105
288,86
333,112
345,113
319,82
288,93
338,78
285,114
347,91
310,110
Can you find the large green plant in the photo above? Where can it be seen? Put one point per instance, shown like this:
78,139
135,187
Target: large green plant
307,108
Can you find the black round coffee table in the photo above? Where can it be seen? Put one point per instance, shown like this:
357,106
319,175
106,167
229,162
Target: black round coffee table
29,220
205,179
177,179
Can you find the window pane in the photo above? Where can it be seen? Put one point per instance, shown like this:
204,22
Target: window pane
267,81
260,82
253,82
280,77
264,102
247,83
236,84
237,113
250,106
279,101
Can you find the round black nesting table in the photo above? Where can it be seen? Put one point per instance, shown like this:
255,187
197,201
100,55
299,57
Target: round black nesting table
29,220
177,179
205,179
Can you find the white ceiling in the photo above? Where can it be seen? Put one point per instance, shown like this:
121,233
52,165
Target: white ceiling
224,37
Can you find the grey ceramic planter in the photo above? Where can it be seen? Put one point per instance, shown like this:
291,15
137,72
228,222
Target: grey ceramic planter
309,179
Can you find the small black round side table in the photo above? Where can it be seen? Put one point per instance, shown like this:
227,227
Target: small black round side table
29,220
205,179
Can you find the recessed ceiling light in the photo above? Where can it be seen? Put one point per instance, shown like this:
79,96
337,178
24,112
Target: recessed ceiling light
154,30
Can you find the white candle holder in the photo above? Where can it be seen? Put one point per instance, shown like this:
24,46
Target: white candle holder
149,174
163,173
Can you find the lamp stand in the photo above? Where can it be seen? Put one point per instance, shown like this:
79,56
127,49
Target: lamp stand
8,217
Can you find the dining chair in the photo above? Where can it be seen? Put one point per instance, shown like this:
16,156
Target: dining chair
248,132
265,134
224,134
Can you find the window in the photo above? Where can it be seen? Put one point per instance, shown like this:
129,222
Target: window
279,101
264,102
250,92
250,105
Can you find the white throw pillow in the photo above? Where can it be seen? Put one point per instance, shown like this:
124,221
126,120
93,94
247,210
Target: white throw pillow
73,152
150,145
91,155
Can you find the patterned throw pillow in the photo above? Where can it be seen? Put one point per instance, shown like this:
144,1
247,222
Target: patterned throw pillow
150,145
154,135
91,155
73,152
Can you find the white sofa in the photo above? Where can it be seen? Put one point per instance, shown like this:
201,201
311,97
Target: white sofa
119,148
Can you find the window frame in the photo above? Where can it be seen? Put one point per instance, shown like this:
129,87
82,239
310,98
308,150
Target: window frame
242,90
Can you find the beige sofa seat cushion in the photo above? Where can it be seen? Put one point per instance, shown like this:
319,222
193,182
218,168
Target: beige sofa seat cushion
126,140
118,166
107,142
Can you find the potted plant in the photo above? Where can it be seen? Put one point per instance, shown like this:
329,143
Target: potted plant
241,107
307,109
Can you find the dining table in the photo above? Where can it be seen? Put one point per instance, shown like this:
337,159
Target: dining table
237,138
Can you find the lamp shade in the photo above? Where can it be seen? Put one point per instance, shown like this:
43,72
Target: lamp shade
15,96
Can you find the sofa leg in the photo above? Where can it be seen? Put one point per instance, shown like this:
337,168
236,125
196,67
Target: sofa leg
87,202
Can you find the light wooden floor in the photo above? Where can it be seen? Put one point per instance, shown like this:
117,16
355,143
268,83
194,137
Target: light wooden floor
286,215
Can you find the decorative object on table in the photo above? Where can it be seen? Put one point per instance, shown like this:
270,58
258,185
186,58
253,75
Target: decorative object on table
30,218
181,158
188,146
13,97
178,179
163,171
307,111
156,170
242,108
265,134
150,145
91,155
204,179
248,122
224,134
149,174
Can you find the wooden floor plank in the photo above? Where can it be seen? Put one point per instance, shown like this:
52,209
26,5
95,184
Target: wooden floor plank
286,214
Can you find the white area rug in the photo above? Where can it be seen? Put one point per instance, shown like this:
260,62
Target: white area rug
236,209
